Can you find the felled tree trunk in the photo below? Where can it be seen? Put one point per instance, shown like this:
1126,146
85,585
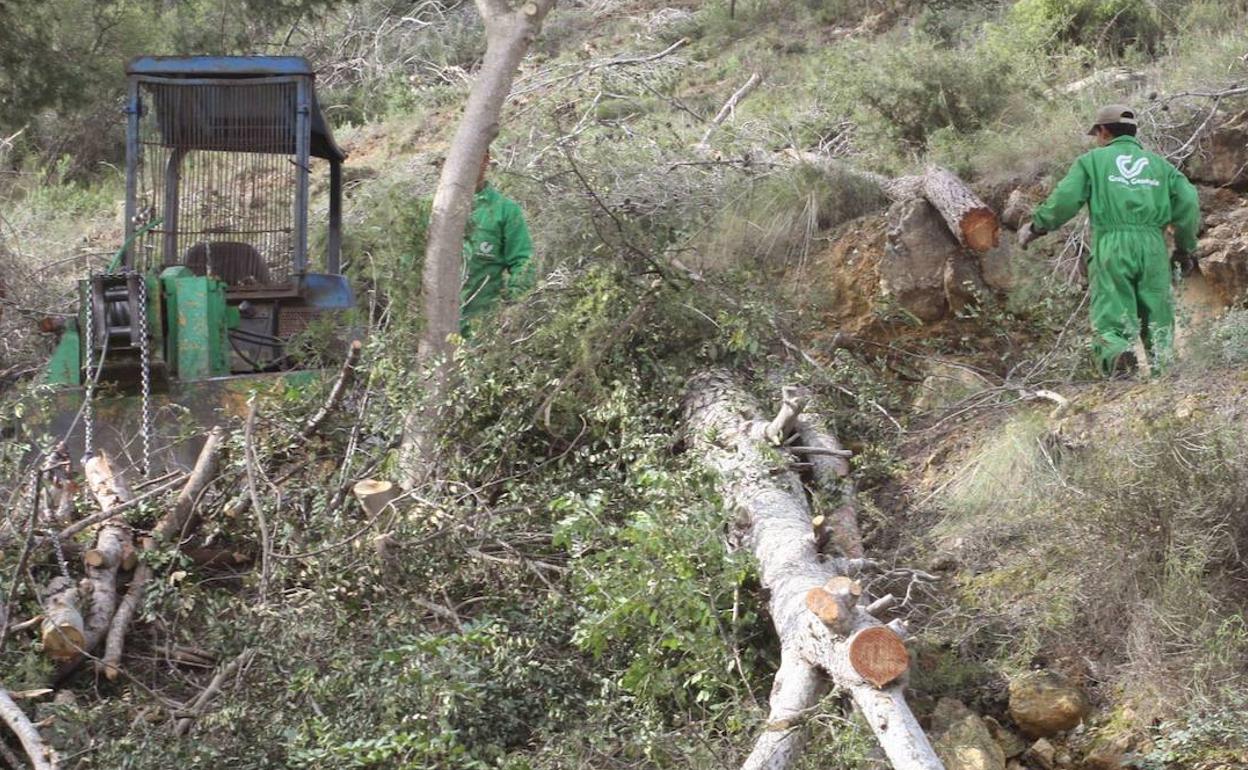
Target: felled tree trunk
856,652
969,218
41,756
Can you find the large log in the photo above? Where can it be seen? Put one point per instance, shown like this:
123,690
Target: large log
969,219
781,538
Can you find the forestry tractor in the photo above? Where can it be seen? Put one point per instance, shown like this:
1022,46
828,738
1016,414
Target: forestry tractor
215,275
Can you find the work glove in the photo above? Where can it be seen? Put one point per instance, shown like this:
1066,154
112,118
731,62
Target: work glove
1028,233
1185,262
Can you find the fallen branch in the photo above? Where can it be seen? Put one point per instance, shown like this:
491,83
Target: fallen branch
249,459
335,393
862,657
197,707
729,107
41,756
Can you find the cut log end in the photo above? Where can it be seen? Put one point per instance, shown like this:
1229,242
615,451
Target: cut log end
374,495
62,640
981,230
835,611
878,655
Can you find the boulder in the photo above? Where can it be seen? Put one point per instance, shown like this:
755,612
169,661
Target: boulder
997,265
1222,159
924,268
913,268
963,741
1009,741
1107,753
1044,703
1042,755
1223,252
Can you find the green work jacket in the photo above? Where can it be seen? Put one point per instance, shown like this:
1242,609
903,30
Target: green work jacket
498,255
1130,192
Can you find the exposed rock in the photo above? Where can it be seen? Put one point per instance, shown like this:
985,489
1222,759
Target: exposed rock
947,383
1107,754
1007,739
1044,703
1017,210
997,265
924,268
963,741
1222,160
1041,754
1223,251
913,269
963,284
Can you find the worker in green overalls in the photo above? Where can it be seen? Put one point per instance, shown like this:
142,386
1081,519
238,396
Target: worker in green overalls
1132,195
498,253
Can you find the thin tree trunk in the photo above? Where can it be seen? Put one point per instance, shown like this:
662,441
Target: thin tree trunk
509,31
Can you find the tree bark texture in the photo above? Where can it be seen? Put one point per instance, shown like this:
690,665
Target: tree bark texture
724,426
508,31
110,490
970,220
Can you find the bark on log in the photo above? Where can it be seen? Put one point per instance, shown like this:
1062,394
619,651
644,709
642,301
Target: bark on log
41,756
110,490
62,629
969,219
789,567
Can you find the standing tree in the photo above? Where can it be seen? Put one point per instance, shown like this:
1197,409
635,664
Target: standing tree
508,31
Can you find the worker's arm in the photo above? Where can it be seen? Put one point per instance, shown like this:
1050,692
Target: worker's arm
1065,200
517,253
1184,212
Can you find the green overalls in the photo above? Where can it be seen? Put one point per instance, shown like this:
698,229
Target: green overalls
497,256
1132,195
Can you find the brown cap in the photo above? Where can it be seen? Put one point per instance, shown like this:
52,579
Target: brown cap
1113,113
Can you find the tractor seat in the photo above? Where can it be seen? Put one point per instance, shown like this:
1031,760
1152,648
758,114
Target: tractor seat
236,263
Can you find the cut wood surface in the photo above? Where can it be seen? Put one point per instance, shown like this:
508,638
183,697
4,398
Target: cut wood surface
62,629
878,655
969,219
781,538
374,495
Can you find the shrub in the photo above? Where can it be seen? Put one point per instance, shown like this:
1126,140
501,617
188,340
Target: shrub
910,91
1105,26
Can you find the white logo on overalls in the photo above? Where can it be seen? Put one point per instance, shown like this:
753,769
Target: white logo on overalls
1130,169
485,247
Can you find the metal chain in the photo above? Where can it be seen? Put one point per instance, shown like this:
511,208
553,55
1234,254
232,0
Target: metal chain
145,375
60,552
88,407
